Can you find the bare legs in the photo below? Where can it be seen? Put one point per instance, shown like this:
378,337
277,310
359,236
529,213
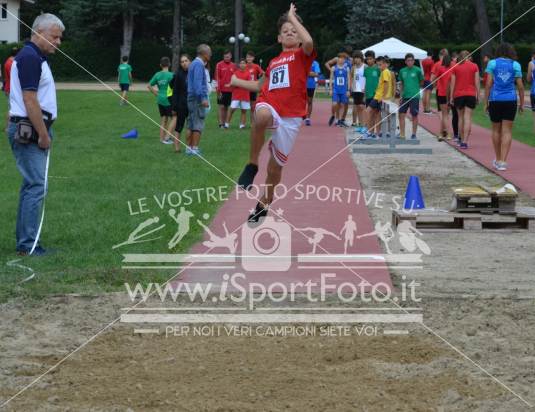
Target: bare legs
501,139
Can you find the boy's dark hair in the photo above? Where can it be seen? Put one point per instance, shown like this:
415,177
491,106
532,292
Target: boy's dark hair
227,52
14,51
429,54
409,56
369,53
124,59
250,53
506,50
242,59
379,59
386,59
165,62
358,54
284,19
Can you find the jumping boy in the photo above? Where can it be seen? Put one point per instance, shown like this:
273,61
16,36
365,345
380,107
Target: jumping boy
162,79
281,105
339,89
411,79
125,79
240,96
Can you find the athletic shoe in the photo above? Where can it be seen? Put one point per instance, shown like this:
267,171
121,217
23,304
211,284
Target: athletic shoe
380,135
221,126
457,137
166,141
428,112
196,151
331,121
258,213
413,136
374,136
501,166
463,146
495,164
246,178
38,251
188,150
400,137
440,138
343,123
226,126
242,126
307,122
448,137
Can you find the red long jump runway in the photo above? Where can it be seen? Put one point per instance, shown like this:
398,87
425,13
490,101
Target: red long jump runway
521,172
315,145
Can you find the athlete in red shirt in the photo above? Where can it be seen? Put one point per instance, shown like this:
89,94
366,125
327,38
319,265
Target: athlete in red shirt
256,73
223,73
7,78
240,97
427,65
464,94
442,75
281,105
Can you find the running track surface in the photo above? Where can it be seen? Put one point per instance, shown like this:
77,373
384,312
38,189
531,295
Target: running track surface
521,172
315,145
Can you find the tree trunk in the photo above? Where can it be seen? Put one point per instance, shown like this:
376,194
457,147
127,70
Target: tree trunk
483,26
175,39
128,32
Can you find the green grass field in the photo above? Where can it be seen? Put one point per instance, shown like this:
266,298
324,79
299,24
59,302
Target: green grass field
93,175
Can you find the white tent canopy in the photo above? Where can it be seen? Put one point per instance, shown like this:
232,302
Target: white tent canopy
396,49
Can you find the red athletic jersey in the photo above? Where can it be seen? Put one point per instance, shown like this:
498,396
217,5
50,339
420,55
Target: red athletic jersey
255,71
7,74
285,87
427,65
465,83
238,93
444,76
223,74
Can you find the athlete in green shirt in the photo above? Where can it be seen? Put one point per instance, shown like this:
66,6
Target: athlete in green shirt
158,86
411,78
125,79
372,74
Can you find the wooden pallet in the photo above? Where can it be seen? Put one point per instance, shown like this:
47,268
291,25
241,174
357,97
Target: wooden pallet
434,220
483,199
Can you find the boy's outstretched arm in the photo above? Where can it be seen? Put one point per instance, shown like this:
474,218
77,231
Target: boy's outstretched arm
251,85
306,39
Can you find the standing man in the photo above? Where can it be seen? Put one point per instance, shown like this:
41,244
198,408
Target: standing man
33,109
312,79
198,96
531,80
411,78
223,73
255,73
427,65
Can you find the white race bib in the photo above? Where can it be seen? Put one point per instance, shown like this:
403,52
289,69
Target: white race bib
340,81
279,77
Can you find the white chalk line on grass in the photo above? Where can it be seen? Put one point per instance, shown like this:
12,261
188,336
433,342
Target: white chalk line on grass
14,263
345,148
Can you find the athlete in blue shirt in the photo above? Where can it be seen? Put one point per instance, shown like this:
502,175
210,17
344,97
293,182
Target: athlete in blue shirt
339,89
531,79
311,89
503,83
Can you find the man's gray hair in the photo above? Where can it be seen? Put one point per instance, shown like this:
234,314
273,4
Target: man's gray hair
46,21
203,49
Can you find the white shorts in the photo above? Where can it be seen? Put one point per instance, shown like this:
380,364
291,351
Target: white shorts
240,104
285,130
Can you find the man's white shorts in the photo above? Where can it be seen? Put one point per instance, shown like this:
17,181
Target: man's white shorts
240,104
285,130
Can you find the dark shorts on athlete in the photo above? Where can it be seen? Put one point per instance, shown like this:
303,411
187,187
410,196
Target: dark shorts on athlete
409,103
311,92
499,111
181,116
441,100
253,96
165,110
124,87
225,99
465,101
368,101
428,85
375,104
358,98
532,97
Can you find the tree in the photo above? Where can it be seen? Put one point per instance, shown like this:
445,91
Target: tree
368,22
483,27
176,38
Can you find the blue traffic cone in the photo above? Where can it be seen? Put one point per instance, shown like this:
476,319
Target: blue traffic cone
413,195
132,134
